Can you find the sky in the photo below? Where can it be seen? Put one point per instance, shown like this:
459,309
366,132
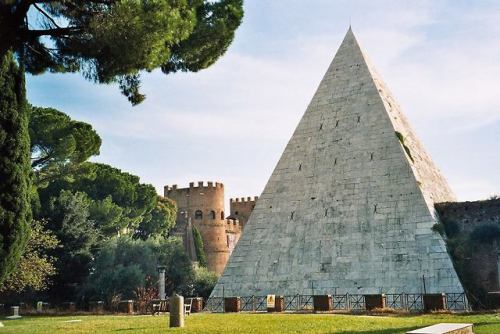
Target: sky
231,122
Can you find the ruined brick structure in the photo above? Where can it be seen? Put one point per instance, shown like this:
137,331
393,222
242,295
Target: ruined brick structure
466,217
202,206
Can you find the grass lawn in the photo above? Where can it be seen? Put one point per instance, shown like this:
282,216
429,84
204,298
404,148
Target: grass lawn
246,323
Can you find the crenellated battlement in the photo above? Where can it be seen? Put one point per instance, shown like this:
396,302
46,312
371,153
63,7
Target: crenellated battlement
197,185
233,221
201,204
233,225
244,199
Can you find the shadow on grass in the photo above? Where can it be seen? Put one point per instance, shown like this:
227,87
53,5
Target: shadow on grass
130,329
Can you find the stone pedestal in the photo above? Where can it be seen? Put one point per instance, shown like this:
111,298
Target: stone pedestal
434,302
375,302
322,303
15,313
279,304
232,304
126,306
197,305
177,311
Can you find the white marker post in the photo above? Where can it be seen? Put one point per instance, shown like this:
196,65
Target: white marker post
15,313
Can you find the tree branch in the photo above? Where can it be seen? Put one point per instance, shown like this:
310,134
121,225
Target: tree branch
56,32
46,15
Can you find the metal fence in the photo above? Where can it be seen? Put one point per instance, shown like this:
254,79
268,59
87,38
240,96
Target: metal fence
412,302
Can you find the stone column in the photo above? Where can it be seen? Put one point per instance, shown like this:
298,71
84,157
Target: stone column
161,282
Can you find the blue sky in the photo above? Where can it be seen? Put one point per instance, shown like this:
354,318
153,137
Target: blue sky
230,123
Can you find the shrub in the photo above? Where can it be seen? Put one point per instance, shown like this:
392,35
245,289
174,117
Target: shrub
204,282
126,267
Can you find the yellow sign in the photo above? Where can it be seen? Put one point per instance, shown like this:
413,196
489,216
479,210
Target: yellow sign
271,301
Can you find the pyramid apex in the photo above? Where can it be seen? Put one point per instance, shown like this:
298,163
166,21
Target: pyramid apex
350,34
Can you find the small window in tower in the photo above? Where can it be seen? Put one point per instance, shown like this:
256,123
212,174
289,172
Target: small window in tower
236,213
212,214
222,215
198,215
227,240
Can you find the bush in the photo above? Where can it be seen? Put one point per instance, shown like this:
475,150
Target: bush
204,282
125,267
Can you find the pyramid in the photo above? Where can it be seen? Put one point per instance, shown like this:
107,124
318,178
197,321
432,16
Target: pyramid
349,207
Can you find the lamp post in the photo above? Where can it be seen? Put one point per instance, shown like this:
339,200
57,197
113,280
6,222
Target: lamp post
161,281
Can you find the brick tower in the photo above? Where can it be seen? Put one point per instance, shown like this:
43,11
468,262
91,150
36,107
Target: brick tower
203,207
242,208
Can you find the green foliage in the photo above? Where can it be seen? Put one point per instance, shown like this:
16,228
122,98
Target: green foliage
198,246
159,221
120,200
36,266
439,228
68,218
406,148
204,282
15,213
91,36
107,216
59,144
125,265
216,24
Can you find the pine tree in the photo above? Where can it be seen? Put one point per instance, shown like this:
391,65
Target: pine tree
15,212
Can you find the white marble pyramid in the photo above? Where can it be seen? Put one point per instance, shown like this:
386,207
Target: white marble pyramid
349,207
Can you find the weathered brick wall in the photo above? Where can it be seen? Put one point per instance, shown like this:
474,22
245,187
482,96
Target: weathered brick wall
467,216
470,214
242,208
